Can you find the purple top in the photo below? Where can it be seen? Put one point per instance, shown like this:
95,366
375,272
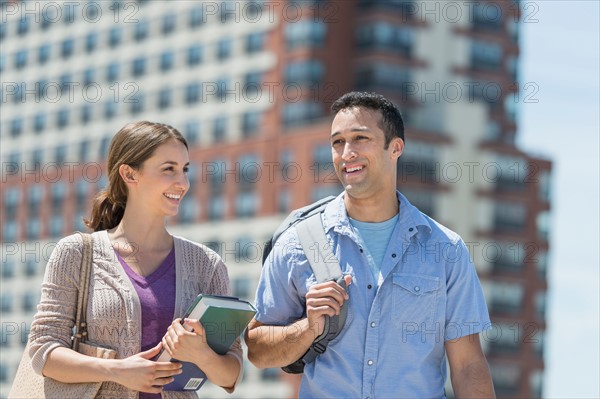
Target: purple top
157,299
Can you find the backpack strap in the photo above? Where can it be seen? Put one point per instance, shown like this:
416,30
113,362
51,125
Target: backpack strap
326,267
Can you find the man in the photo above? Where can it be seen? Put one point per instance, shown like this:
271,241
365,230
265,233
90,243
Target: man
413,295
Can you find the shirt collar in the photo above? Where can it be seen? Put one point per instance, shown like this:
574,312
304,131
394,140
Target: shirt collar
410,219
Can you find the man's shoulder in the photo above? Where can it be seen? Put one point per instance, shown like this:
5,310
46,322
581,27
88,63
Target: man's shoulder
440,232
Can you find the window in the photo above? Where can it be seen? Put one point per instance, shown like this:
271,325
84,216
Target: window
104,144
304,72
115,36
86,113
542,222
505,256
31,268
164,98
506,378
168,23
44,53
509,216
246,204
37,157
167,60
383,76
486,16
322,163
58,194
3,30
23,25
301,113
192,131
227,11
141,30
10,230
192,93
88,76
196,17
20,58
6,302
486,55
219,129
242,286
255,42
84,150
62,118
383,35
545,185
421,162
252,85
194,55
305,33
188,211
110,109
66,80
2,62
29,301
60,154
250,123
8,269
39,122
222,89
422,199
138,67
137,103
224,47
69,15
112,72
507,297
91,41
67,47
16,127
33,228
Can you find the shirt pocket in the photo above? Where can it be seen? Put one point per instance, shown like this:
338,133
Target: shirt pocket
414,299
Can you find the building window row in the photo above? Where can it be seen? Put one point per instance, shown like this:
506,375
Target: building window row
252,43
386,36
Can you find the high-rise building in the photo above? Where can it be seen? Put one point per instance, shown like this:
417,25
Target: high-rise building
249,84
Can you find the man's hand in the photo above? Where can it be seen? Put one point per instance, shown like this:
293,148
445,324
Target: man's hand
325,299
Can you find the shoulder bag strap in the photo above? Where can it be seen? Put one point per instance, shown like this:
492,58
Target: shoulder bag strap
80,334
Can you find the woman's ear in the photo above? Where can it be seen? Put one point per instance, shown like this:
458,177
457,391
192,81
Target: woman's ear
127,173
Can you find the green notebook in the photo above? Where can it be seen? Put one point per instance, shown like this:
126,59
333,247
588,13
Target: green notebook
224,319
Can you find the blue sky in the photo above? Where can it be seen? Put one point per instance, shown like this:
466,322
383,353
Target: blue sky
560,53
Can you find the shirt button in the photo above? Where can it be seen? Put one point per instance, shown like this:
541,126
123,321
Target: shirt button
373,324
417,288
411,229
369,286
361,250
370,362
393,255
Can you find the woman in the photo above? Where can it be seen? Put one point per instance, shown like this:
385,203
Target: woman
142,279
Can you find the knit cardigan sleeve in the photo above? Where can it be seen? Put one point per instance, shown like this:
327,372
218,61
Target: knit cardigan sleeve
210,267
53,323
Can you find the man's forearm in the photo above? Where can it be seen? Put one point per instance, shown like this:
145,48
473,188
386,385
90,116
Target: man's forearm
474,381
278,346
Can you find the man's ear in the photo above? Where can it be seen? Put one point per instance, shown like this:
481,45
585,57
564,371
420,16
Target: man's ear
397,145
128,174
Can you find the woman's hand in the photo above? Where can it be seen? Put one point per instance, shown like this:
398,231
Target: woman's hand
187,342
139,373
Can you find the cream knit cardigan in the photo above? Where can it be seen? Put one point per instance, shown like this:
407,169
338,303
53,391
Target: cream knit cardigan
114,310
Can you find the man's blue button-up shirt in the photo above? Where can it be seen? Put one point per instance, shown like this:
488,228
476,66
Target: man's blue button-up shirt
392,345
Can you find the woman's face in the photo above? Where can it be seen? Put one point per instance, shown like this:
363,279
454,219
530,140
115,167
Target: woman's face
162,181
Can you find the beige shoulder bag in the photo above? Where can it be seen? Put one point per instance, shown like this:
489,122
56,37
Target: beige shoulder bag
28,384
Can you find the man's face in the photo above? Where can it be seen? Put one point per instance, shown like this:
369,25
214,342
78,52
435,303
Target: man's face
365,168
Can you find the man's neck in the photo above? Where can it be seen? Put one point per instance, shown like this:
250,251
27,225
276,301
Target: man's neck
372,209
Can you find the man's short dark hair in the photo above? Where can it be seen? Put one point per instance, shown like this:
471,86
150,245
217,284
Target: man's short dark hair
391,119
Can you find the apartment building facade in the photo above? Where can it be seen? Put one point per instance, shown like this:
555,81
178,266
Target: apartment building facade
249,84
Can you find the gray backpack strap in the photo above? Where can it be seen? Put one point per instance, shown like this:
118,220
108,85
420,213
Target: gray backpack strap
311,234
326,267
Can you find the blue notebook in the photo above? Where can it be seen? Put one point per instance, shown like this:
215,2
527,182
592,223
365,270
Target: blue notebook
224,319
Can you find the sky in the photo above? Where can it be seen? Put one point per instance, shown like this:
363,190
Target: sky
560,42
